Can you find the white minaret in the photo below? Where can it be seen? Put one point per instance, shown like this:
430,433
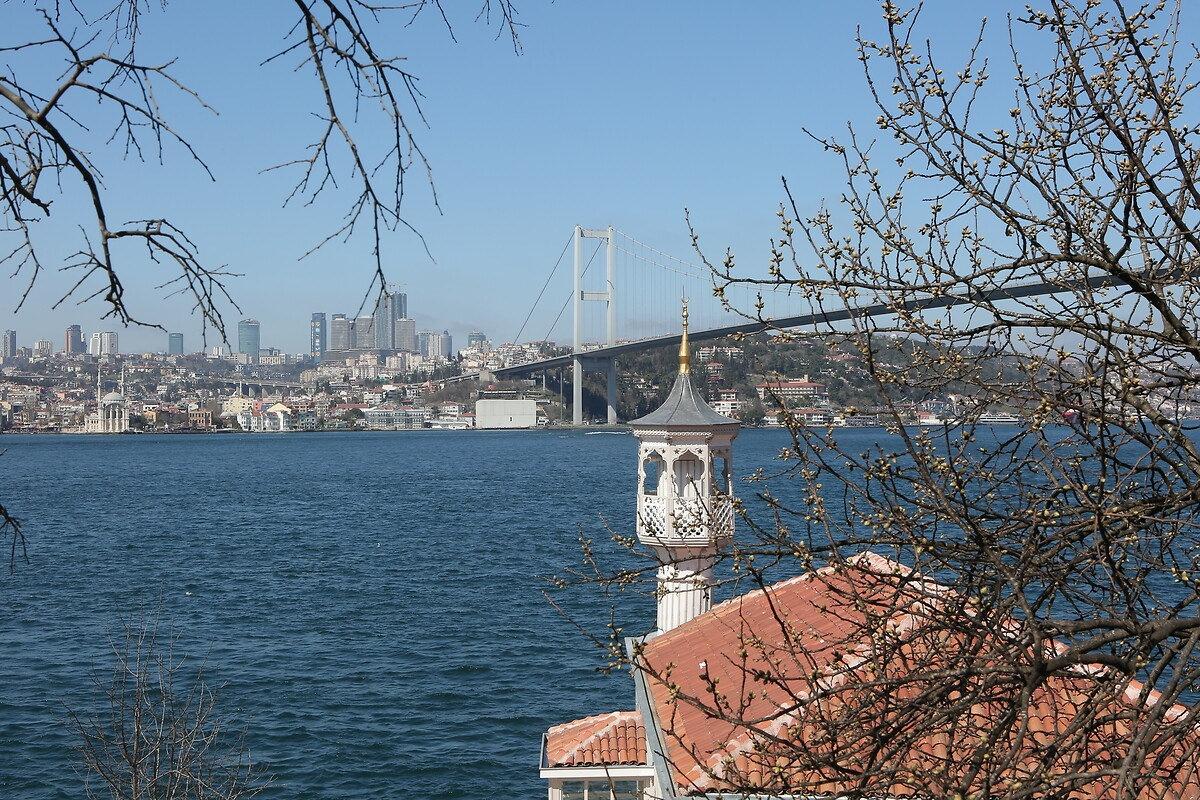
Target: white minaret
685,493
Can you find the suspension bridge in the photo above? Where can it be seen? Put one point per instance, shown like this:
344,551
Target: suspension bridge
629,305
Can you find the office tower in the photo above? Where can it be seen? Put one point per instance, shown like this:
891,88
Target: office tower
341,333
318,336
364,333
43,348
391,306
103,343
248,338
406,335
175,344
423,343
8,347
74,343
447,344
476,340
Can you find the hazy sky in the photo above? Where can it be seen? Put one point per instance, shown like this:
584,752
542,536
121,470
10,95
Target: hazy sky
617,113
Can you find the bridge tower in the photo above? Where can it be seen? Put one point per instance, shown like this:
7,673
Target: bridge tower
579,360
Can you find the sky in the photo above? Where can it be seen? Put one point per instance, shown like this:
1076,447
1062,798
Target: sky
616,113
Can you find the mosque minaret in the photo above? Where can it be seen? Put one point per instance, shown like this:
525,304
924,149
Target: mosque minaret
112,410
685,494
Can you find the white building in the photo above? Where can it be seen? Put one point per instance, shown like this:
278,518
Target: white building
103,343
506,414
112,410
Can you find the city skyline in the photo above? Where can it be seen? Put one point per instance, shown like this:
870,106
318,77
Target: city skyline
678,108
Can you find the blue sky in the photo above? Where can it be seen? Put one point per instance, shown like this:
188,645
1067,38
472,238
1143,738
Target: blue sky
619,113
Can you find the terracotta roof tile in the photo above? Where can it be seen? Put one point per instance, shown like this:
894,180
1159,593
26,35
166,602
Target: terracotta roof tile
809,634
612,739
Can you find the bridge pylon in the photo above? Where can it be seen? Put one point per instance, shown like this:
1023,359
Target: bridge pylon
609,298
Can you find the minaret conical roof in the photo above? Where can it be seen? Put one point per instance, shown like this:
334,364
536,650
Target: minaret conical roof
684,406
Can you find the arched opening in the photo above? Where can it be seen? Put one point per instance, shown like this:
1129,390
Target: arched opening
652,471
689,476
722,474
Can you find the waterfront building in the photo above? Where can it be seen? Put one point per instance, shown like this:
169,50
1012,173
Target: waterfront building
8,346
341,333
317,335
364,333
406,335
73,343
791,391
500,414
249,340
103,344
175,344
795,666
112,410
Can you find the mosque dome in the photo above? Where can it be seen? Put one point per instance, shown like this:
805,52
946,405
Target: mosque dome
113,397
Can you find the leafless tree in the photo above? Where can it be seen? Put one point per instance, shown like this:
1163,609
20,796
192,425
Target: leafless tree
1050,589
56,127
157,735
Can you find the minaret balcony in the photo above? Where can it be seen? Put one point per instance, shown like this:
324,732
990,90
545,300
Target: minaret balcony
685,521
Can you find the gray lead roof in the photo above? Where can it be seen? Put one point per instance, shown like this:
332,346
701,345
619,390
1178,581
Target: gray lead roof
684,407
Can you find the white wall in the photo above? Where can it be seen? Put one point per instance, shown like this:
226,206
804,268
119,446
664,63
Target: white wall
505,414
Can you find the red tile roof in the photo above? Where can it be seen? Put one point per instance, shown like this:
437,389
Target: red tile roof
795,663
612,739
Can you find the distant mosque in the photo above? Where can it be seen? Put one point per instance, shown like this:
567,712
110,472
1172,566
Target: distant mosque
112,410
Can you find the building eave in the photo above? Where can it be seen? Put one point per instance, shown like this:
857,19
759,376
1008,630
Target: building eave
656,752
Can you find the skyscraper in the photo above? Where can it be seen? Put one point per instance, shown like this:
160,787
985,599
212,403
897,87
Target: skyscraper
364,333
248,338
341,333
318,336
476,339
406,335
74,343
175,344
447,344
391,306
103,343
43,348
8,347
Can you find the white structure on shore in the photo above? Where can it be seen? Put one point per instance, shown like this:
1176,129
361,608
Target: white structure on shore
685,494
112,410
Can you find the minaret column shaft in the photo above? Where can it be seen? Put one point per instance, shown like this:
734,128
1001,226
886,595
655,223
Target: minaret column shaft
684,588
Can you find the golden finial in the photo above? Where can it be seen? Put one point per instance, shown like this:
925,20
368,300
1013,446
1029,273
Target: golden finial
684,358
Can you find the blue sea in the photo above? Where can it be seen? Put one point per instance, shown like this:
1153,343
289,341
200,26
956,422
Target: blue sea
368,606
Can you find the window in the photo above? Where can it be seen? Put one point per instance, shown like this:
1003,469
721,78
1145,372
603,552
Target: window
574,790
602,789
651,469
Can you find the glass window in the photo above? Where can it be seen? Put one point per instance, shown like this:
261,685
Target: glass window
574,790
625,790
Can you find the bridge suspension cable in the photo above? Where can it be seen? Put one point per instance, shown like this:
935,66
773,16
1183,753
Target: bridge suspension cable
533,308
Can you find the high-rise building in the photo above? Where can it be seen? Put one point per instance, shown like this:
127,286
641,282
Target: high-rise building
364,333
248,338
103,343
8,347
318,336
73,345
434,344
43,348
175,344
391,306
406,335
476,340
341,333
